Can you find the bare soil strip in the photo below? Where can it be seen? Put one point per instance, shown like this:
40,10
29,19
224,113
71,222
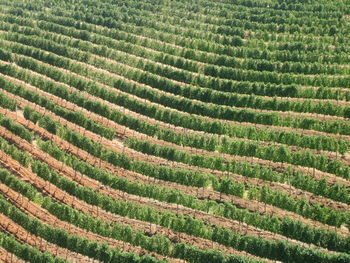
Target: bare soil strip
63,170
196,74
65,198
166,125
7,257
126,132
345,158
34,210
94,211
116,145
251,205
281,113
26,237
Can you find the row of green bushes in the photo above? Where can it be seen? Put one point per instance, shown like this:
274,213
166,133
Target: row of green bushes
187,91
246,148
194,178
190,226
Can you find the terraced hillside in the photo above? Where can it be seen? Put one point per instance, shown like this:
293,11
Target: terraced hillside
202,131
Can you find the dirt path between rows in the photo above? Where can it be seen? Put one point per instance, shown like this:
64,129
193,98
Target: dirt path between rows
195,73
251,205
118,64
116,145
149,228
345,158
64,197
115,75
34,210
125,132
177,129
26,237
7,257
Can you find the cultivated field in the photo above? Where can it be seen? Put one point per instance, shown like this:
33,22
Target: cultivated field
201,131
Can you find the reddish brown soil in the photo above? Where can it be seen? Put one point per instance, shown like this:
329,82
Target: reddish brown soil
7,257
117,64
94,211
296,193
331,155
306,132
63,197
125,132
24,236
128,133
32,209
206,193
156,160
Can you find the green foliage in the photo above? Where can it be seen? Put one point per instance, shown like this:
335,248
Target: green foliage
208,66
286,227
6,102
27,253
263,193
16,128
6,56
60,237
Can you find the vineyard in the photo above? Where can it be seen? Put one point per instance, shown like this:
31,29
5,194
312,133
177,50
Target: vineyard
153,131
